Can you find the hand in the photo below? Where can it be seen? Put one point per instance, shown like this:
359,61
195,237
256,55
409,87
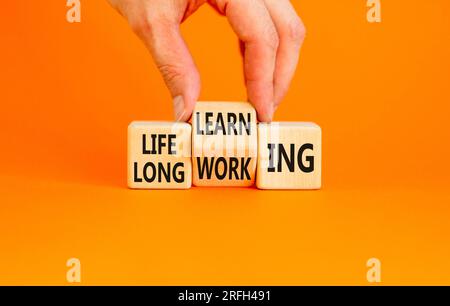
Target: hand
270,31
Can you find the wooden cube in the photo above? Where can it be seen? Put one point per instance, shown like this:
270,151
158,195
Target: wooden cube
289,155
224,142
159,155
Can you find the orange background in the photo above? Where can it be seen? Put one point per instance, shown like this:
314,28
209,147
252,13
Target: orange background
379,91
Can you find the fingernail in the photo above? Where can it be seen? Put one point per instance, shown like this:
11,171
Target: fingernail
178,108
275,108
271,113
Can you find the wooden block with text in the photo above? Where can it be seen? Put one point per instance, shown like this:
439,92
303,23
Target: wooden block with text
159,155
224,144
289,155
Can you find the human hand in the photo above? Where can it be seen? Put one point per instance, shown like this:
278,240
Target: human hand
270,31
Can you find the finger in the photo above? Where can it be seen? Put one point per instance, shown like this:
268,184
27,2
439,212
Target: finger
253,25
291,32
163,38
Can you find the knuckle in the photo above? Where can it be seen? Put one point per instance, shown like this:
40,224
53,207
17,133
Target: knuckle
272,38
141,26
170,73
146,24
296,30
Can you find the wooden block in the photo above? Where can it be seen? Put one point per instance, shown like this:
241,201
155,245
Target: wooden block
289,155
159,155
224,142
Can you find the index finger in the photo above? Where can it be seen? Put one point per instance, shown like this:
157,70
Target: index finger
252,23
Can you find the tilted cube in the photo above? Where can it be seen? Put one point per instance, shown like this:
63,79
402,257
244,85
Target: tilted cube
224,144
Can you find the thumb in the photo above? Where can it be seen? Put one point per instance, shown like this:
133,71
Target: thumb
174,61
